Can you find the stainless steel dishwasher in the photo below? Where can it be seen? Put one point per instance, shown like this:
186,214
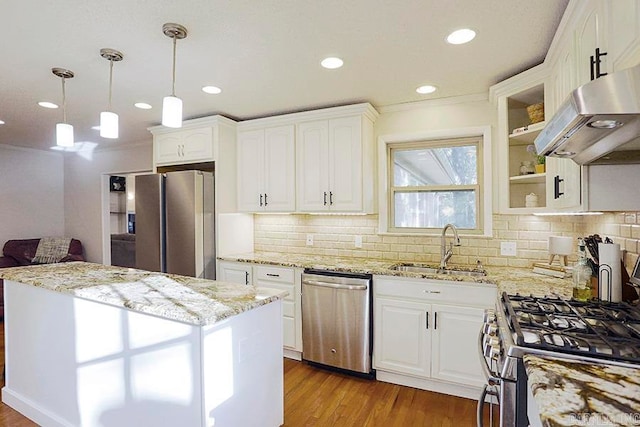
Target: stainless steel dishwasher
336,320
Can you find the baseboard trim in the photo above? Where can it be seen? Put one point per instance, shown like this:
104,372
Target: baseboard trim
292,354
31,410
468,392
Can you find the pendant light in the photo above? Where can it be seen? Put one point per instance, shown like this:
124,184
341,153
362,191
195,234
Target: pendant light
172,105
64,131
109,119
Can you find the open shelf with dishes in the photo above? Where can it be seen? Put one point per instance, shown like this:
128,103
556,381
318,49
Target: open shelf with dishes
525,121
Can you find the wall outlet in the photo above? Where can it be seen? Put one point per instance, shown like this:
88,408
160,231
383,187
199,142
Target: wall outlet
358,242
309,239
508,248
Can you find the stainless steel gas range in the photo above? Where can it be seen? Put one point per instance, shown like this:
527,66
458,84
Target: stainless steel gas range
519,325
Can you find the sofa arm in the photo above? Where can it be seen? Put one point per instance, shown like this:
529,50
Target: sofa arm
72,257
7,261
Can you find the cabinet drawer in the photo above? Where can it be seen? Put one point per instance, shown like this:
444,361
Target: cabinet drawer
441,291
275,274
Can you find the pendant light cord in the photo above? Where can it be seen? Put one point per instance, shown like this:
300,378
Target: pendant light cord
173,82
110,83
64,103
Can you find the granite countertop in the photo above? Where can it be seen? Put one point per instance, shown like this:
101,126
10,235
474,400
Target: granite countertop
569,392
507,279
181,298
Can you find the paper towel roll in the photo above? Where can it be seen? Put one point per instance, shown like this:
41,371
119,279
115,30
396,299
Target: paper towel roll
609,272
559,245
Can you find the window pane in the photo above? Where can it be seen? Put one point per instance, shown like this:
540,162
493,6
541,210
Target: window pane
435,209
435,166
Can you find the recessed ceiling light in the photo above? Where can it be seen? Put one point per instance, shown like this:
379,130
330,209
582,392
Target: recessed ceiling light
142,105
47,104
97,127
462,36
426,89
1,122
332,63
214,90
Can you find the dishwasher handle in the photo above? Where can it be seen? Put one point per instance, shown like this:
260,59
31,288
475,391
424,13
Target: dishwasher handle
322,284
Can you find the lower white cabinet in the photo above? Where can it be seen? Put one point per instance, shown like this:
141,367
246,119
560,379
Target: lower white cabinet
426,332
268,276
236,272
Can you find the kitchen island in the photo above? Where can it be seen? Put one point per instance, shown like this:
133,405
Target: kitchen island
572,392
90,345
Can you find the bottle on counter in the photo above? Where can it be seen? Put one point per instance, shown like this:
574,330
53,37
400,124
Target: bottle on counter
581,274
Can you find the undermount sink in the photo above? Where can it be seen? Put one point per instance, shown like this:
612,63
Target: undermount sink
418,268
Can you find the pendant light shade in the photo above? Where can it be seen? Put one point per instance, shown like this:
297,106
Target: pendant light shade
172,105
64,135
64,131
172,111
109,119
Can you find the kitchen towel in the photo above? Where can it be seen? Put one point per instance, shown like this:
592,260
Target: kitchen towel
609,273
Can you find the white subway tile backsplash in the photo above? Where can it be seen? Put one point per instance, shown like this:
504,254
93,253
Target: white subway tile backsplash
334,236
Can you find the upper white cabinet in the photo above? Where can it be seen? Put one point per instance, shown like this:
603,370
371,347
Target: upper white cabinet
266,169
196,141
592,60
312,161
624,33
335,160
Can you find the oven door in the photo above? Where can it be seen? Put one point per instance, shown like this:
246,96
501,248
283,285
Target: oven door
491,391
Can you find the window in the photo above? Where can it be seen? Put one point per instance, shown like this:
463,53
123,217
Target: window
433,183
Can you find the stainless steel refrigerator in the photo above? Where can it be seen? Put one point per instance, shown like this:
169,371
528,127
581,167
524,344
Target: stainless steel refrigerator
175,223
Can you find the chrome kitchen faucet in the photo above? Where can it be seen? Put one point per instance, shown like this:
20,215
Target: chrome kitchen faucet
444,252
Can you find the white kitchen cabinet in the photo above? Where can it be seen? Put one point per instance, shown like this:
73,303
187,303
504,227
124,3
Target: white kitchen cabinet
402,338
454,341
426,331
624,33
285,279
187,146
266,170
335,159
236,272
591,43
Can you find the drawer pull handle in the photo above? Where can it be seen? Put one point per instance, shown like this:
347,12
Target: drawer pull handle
273,275
430,292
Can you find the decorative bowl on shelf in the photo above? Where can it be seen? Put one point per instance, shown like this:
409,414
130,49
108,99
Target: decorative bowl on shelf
536,112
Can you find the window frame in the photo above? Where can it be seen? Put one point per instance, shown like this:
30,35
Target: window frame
480,136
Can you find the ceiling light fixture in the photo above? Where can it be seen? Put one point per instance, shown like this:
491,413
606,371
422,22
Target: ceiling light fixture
423,90
213,90
142,106
462,36
332,63
47,104
172,105
1,122
109,119
64,131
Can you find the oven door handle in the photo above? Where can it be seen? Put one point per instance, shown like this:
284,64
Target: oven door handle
490,376
481,402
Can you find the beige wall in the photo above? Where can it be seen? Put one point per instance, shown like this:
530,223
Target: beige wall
32,191
334,235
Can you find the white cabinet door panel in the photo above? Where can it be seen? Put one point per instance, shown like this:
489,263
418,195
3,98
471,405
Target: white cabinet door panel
402,337
455,344
279,169
250,170
312,163
345,164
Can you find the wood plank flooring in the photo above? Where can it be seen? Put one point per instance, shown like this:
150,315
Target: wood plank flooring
319,397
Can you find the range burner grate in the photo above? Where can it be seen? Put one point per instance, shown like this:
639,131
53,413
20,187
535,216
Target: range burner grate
594,328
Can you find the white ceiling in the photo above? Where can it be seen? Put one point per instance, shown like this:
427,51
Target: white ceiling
264,54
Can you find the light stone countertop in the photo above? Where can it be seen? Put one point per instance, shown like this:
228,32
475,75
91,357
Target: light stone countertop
571,393
184,299
507,279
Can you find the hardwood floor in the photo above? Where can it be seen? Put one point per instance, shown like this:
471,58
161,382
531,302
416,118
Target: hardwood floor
319,397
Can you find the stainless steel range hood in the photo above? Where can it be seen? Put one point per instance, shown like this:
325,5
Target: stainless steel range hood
599,123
